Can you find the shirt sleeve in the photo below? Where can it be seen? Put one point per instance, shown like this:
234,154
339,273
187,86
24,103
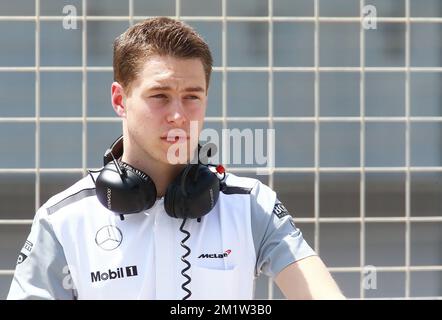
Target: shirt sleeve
42,271
278,242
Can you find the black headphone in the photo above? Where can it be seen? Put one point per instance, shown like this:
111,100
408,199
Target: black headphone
125,189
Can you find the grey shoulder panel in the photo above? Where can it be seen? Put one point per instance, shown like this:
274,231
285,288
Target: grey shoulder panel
84,193
278,242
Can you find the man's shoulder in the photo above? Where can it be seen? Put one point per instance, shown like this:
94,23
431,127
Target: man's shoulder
239,184
262,197
82,188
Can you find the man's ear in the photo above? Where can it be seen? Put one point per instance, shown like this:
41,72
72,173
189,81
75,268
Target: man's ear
118,99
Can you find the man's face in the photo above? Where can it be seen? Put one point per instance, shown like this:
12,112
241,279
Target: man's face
167,96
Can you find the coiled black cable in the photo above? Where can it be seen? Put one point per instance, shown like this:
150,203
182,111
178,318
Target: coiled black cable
183,258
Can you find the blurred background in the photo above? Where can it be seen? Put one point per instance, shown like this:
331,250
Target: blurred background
356,111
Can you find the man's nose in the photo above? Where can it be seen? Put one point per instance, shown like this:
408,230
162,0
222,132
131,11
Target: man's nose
177,113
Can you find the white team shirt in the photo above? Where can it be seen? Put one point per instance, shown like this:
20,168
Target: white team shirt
78,249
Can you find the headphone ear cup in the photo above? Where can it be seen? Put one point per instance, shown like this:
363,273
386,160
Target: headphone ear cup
130,193
201,192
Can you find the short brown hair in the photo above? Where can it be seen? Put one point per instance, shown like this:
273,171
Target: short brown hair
157,36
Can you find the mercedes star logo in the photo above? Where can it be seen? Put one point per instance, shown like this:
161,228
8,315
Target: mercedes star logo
109,238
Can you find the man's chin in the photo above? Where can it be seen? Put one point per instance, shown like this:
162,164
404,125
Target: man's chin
174,155
175,159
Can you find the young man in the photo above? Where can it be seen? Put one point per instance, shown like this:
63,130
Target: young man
78,248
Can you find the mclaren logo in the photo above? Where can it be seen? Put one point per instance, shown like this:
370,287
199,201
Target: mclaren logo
109,238
225,254
118,273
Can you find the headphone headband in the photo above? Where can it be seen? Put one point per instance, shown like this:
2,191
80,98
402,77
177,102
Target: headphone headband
116,149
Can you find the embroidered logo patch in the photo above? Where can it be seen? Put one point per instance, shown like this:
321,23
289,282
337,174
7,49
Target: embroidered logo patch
279,210
27,247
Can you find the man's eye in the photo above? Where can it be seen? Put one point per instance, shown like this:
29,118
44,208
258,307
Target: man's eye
159,96
192,97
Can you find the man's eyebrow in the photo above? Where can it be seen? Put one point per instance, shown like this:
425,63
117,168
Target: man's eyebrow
158,88
167,88
195,89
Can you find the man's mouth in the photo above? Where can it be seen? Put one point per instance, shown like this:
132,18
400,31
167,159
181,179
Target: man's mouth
174,137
